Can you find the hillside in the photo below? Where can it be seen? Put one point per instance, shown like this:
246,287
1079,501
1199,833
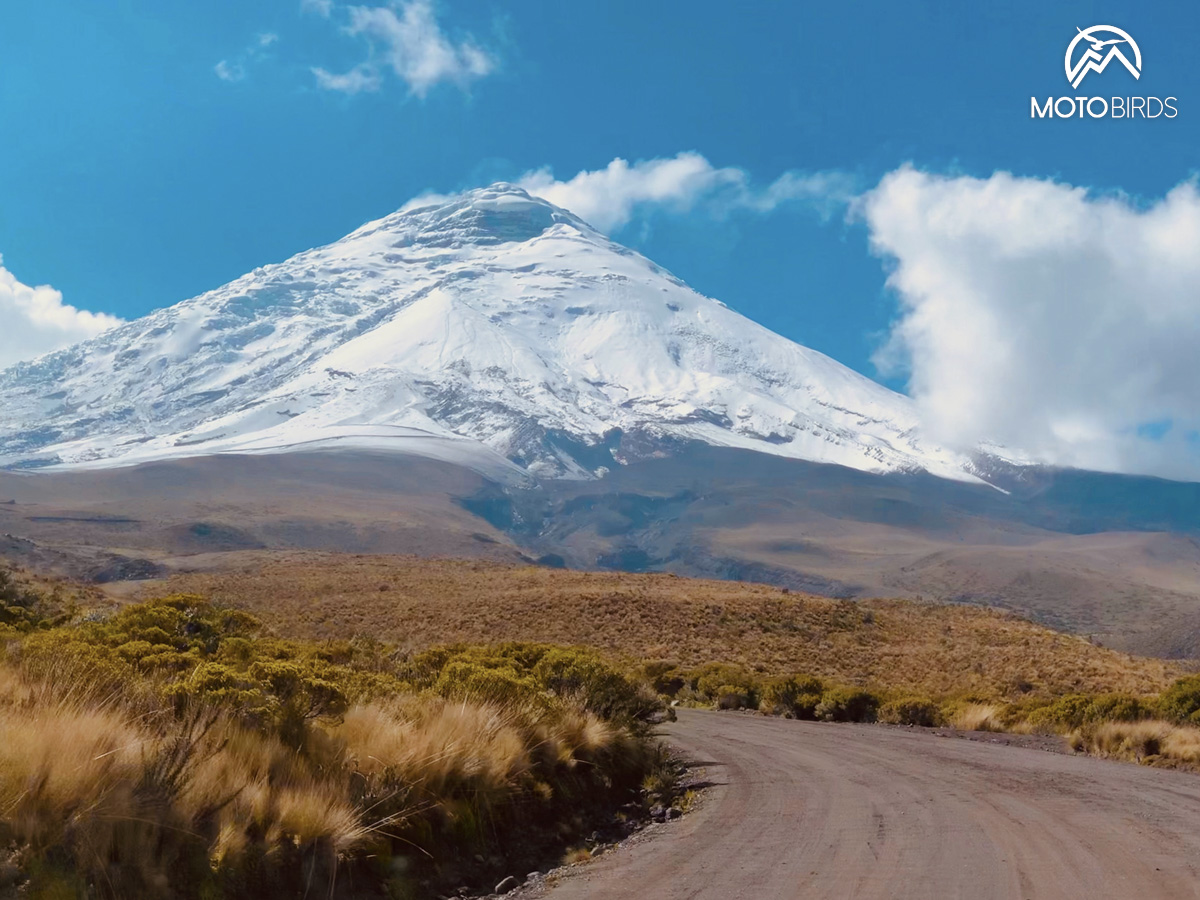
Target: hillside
886,643
486,375
1127,576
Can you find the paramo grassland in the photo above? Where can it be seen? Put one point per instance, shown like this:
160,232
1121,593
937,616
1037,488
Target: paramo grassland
891,645
391,727
173,749
749,646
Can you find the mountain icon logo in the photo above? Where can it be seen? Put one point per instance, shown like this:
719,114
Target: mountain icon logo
1104,44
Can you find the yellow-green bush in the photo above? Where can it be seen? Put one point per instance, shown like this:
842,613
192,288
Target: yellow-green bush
1074,710
664,676
174,751
595,684
910,710
717,680
472,679
732,696
21,607
1181,701
847,704
529,673
796,696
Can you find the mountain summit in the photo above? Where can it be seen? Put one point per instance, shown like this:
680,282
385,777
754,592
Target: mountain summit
491,328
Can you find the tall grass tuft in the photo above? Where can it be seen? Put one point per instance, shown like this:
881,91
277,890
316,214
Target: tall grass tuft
172,751
1150,741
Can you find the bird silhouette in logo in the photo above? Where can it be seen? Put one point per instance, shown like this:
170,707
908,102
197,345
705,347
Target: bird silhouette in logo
1094,58
1099,46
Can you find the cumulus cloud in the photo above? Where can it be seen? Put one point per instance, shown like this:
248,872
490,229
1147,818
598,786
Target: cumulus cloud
1055,322
608,198
37,321
1045,317
406,39
357,80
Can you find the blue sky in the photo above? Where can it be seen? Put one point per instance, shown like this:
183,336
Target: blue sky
157,148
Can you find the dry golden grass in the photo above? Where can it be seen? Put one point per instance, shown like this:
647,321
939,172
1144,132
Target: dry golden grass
440,749
59,765
976,717
892,644
123,795
104,783
1151,741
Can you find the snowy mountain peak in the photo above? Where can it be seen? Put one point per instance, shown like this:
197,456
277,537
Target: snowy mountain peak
501,213
491,328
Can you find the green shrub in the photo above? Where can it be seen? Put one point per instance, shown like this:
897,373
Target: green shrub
730,696
1181,701
796,696
713,680
22,608
168,635
1066,712
912,710
468,679
423,669
844,704
221,685
595,685
1075,710
1119,708
538,673
664,677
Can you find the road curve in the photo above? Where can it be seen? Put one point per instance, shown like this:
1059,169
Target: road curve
810,810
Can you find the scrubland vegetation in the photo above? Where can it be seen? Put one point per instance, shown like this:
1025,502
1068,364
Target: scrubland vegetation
180,748
1161,730
738,645
173,750
906,646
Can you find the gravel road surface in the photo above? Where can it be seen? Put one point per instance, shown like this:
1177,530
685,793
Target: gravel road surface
810,810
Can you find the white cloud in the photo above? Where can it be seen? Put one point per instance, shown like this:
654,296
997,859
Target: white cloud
1055,322
322,8
229,71
36,320
235,69
1046,318
358,79
608,198
406,38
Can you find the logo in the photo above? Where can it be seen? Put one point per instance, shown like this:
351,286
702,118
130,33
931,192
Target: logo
1091,50
1104,45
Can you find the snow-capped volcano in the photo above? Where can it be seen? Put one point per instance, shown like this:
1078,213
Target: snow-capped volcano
493,328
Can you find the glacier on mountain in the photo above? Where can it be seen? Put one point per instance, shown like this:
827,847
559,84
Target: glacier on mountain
492,329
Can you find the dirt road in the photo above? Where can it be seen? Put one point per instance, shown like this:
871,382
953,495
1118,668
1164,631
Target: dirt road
808,810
